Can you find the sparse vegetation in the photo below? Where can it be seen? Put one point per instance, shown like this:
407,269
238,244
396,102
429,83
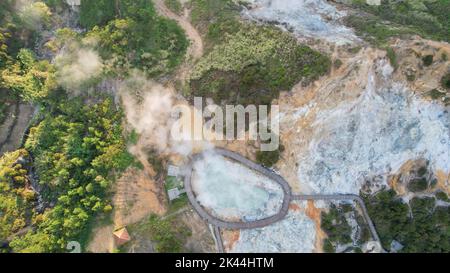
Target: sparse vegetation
436,94
158,163
168,234
178,204
337,63
445,81
216,18
269,158
418,184
392,56
440,195
174,5
336,227
395,18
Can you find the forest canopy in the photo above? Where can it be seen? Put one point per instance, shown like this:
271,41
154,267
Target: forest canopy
131,35
75,148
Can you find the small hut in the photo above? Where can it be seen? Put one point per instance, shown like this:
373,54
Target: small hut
121,236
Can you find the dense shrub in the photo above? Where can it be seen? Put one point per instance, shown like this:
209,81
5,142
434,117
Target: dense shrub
392,56
30,79
426,18
419,226
216,19
269,158
168,234
427,60
16,197
440,195
134,36
445,81
336,227
254,65
418,184
266,158
174,5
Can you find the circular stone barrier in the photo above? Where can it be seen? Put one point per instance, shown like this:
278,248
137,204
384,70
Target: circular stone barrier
251,165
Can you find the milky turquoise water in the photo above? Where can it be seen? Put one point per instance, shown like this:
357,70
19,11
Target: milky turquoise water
231,191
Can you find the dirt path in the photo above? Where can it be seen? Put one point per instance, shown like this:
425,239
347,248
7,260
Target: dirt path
12,130
136,196
196,48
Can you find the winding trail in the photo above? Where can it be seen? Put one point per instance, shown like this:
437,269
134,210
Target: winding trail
288,197
196,48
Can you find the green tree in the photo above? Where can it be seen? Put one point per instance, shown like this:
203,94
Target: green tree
31,79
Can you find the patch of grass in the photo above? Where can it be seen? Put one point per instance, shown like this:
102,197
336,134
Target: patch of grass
178,203
173,182
440,195
392,56
336,227
269,158
354,50
427,60
133,137
169,235
436,94
373,30
393,18
174,5
158,163
410,223
337,63
445,81
418,185
216,19
411,77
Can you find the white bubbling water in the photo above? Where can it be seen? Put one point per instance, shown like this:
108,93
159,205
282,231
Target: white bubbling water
230,190
310,18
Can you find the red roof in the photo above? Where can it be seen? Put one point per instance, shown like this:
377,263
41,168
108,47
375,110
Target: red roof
121,236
